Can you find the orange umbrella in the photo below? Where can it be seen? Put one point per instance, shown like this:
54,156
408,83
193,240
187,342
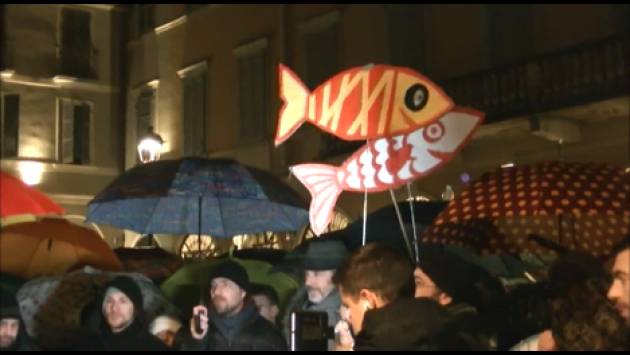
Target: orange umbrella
51,246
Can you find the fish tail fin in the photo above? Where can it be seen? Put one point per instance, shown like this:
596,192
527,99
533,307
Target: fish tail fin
322,182
294,111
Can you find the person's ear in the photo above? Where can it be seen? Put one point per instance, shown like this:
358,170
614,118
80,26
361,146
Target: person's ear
368,299
444,299
274,311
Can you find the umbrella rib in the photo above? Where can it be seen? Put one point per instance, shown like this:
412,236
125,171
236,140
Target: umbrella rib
145,231
220,209
283,211
221,214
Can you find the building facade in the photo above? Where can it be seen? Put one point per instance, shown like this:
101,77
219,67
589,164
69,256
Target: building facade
551,78
61,100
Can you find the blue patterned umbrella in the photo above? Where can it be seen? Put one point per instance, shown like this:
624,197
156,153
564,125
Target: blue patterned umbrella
218,197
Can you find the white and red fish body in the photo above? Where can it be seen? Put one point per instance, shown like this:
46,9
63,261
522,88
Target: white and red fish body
361,103
386,163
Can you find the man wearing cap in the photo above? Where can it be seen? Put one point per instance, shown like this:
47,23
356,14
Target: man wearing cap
232,322
13,336
121,325
319,292
458,286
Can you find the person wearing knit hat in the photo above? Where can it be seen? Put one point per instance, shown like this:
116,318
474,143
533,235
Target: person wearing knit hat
122,303
121,325
266,299
446,277
319,293
460,287
13,336
232,321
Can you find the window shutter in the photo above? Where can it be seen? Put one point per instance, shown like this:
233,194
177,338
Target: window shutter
67,132
10,125
195,113
81,146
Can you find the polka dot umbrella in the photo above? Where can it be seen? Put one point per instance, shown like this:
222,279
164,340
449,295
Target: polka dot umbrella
532,208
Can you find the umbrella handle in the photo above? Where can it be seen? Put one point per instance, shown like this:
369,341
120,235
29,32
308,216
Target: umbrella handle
200,201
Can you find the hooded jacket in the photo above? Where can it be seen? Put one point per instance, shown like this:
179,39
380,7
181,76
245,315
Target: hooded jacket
135,337
9,308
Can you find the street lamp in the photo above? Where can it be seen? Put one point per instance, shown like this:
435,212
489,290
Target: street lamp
150,147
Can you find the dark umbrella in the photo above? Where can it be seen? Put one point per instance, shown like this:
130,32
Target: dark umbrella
382,226
217,197
155,263
271,256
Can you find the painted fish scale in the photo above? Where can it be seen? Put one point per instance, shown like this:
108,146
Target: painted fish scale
373,166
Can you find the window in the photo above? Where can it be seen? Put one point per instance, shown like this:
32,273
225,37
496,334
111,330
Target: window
321,46
74,132
195,89
339,221
510,27
10,114
405,28
145,15
145,112
321,54
253,89
203,247
146,241
5,47
76,44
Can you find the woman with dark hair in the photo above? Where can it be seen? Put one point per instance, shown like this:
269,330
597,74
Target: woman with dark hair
581,316
584,320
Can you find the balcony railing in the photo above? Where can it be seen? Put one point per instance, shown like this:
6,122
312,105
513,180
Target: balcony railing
573,76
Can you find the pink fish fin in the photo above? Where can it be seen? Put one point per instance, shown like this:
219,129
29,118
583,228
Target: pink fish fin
323,184
294,112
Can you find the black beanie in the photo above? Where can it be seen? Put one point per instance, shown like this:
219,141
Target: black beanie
233,271
129,287
451,274
9,307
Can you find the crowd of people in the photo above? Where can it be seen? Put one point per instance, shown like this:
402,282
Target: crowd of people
374,299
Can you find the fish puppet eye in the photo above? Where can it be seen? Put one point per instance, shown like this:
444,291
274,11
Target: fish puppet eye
416,97
434,132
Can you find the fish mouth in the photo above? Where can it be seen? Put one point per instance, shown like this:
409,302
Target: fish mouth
443,156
